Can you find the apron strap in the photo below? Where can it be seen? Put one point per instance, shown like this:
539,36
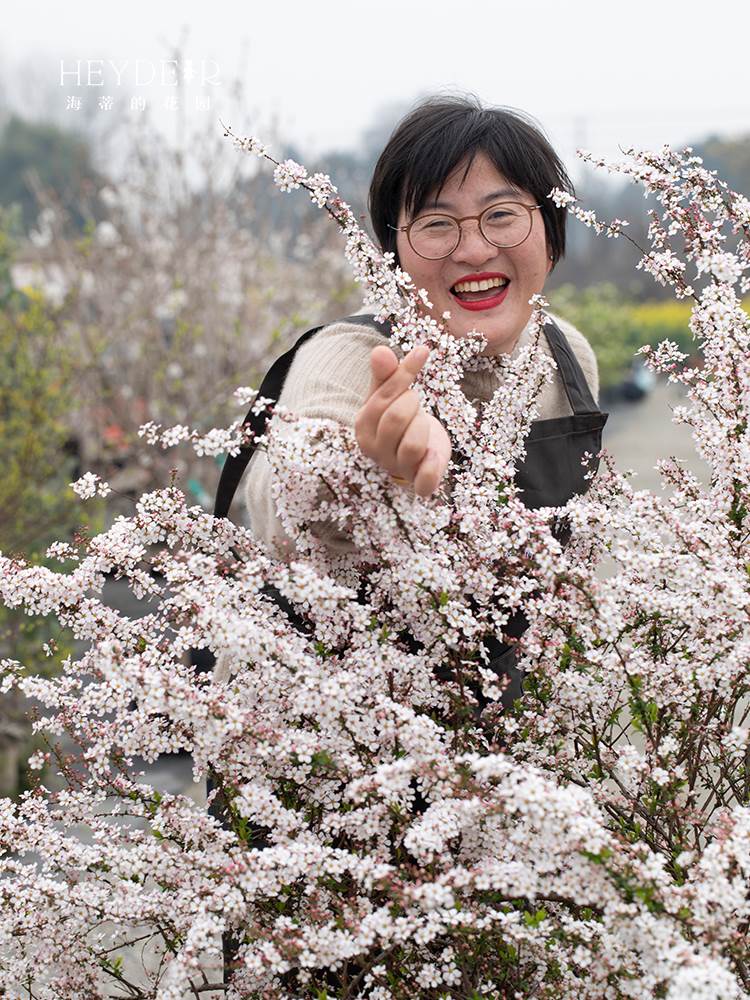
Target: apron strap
576,387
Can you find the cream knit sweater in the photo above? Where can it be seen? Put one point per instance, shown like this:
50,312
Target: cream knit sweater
330,377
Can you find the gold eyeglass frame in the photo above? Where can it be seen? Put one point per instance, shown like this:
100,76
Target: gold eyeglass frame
468,218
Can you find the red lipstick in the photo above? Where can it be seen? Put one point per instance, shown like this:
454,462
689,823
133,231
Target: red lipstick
487,303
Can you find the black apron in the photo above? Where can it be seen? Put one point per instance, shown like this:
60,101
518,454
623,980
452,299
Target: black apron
549,476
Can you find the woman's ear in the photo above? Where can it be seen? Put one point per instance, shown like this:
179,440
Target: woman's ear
550,259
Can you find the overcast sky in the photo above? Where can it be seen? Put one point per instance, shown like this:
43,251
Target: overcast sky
594,73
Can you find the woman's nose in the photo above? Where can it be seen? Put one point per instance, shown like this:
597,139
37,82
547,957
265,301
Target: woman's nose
472,246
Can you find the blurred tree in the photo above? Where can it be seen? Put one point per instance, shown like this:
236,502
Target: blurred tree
730,157
189,286
605,318
594,260
591,260
61,159
616,326
36,507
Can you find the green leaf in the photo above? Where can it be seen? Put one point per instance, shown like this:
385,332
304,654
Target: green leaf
535,918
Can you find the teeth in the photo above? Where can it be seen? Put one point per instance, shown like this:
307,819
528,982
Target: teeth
479,286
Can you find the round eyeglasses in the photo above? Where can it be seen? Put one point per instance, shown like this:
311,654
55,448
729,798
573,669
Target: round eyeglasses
435,235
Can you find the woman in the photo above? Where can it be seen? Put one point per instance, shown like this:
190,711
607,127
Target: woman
460,195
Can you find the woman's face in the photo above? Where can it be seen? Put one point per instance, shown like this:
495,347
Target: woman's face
525,266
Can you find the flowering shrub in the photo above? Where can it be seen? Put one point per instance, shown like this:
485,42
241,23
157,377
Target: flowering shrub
389,831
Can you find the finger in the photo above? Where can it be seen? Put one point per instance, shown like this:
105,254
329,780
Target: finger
412,447
383,363
389,380
429,474
393,424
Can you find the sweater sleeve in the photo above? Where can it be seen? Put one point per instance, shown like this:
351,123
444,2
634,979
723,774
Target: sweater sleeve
328,379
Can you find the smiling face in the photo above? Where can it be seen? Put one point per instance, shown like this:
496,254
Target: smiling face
502,318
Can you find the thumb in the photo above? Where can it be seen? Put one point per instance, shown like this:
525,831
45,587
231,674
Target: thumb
399,375
383,363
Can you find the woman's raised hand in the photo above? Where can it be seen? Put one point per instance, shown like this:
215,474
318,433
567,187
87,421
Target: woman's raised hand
393,429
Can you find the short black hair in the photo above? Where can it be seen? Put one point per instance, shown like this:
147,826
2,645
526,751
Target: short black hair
439,134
